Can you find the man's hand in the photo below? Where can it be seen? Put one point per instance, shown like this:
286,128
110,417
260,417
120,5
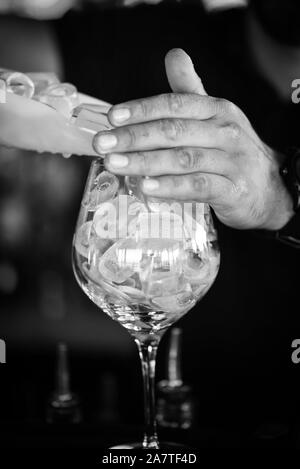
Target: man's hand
196,147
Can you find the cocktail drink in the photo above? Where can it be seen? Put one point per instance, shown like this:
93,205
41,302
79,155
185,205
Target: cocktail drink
144,262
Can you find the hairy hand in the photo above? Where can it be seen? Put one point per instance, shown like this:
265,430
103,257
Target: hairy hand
197,147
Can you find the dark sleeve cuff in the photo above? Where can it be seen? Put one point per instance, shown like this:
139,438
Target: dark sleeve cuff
289,234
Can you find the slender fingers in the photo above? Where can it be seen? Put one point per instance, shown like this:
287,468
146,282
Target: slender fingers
171,161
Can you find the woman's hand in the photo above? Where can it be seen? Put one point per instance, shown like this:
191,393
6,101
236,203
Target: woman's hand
196,147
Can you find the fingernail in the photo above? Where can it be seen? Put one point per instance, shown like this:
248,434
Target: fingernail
121,115
118,161
106,142
150,184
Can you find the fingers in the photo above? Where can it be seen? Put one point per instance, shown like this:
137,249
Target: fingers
170,161
181,73
167,133
169,105
209,188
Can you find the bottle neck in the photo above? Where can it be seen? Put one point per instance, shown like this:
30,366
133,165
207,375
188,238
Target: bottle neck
174,363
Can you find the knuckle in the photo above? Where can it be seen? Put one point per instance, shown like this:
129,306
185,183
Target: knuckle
226,107
220,105
174,102
145,108
241,188
176,181
217,104
131,137
200,184
144,162
188,159
230,107
173,129
231,131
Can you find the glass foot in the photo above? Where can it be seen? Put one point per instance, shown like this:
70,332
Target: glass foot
164,446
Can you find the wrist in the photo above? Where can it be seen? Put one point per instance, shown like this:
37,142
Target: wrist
281,213
286,227
280,203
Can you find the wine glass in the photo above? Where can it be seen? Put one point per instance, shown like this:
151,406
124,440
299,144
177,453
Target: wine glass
143,261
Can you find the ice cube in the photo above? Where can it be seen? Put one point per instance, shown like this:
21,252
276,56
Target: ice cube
88,245
83,239
186,299
96,278
175,303
42,80
214,267
91,118
130,282
90,272
61,96
133,293
162,284
195,227
17,83
159,257
160,270
200,273
116,264
196,269
114,292
129,254
200,289
104,188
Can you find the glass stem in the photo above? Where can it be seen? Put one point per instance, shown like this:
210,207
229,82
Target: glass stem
147,352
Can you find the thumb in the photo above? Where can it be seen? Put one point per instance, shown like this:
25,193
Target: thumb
181,73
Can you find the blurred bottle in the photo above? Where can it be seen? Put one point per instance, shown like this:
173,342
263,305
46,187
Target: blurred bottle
175,406
63,406
108,399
